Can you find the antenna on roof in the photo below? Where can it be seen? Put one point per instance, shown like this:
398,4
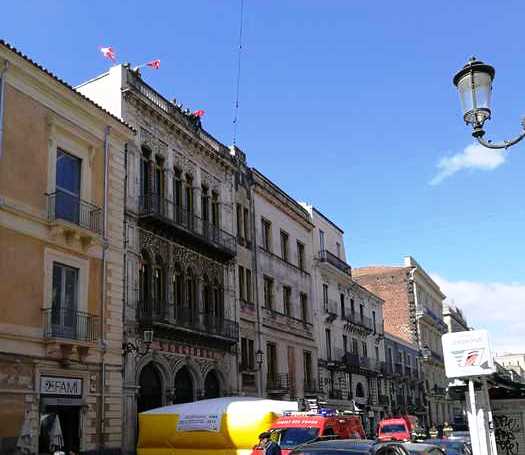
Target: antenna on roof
236,108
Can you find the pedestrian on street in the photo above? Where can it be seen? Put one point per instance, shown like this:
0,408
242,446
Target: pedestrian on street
269,447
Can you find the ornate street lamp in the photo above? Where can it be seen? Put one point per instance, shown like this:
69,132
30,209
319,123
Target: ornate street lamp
142,346
474,84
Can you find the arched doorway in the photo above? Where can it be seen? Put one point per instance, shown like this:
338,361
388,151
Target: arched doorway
183,386
212,388
150,393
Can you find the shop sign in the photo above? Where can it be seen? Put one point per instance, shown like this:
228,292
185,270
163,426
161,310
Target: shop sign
52,385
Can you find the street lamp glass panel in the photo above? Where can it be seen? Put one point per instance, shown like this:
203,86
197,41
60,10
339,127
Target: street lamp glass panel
475,90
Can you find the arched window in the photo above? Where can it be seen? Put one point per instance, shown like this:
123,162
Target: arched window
190,293
145,172
158,286
207,296
218,300
212,388
145,300
177,194
178,292
359,390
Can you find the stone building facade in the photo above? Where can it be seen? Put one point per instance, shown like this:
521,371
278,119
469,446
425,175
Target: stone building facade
413,311
283,292
349,326
404,377
179,252
61,266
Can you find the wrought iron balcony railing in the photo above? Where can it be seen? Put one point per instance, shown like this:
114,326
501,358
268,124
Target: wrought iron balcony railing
205,324
71,324
332,259
156,206
67,207
361,321
278,382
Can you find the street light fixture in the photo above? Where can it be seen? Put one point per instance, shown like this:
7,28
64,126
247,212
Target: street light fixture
259,357
142,346
474,85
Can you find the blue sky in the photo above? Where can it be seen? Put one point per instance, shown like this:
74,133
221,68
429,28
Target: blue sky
348,105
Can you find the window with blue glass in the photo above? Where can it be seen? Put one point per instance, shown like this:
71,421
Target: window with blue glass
67,197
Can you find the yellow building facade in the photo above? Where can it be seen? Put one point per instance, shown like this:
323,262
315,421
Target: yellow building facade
61,262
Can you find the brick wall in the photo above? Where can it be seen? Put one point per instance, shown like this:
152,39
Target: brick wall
392,285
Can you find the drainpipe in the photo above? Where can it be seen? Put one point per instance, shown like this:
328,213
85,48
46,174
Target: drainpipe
2,97
104,286
256,275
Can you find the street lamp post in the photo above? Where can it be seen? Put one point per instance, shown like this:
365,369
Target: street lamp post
474,85
259,359
142,346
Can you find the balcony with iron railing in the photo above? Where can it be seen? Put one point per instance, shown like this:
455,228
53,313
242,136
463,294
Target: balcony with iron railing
155,209
71,325
431,317
278,383
325,257
187,321
359,321
73,211
287,323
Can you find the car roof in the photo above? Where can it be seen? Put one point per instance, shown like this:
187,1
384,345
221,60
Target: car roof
340,444
443,441
411,446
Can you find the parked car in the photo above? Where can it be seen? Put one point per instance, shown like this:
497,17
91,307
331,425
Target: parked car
460,436
365,447
452,446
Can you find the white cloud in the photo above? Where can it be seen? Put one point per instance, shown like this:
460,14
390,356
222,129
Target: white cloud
497,307
473,156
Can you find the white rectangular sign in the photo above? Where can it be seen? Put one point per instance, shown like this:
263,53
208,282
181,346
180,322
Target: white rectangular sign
467,354
193,422
52,385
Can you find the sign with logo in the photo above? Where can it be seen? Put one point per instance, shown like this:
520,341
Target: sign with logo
192,422
52,385
467,354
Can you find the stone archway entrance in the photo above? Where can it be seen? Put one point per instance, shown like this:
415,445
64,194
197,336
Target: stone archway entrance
183,386
150,392
212,387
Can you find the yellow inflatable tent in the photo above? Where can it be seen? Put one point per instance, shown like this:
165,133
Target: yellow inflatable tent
220,426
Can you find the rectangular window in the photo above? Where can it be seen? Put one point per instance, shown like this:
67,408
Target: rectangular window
355,346
65,301
338,249
248,274
268,293
284,246
247,235
287,292
342,303
374,321
328,336
321,240
242,295
271,355
215,211
325,296
266,234
307,363
361,312
377,352
205,206
189,197
365,349
239,222
177,193
247,354
67,192
304,307
300,255
345,344
352,309
390,357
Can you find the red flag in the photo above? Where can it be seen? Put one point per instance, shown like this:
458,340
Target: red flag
155,64
109,53
199,113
